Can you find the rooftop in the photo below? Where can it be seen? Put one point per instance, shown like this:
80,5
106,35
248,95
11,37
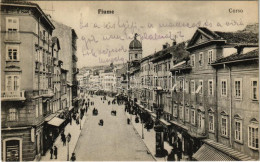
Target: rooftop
239,37
178,52
239,57
16,3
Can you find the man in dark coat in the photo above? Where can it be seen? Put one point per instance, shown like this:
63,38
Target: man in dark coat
171,156
70,118
73,157
55,152
63,138
51,152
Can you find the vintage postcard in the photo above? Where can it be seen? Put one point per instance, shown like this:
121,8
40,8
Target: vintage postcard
129,80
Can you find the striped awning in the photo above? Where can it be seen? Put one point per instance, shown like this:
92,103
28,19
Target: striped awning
208,153
239,156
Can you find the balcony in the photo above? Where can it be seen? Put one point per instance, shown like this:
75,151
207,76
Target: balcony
12,96
12,37
75,71
47,93
74,45
75,82
75,58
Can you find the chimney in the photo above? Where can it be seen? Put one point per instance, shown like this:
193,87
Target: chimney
240,50
174,43
164,46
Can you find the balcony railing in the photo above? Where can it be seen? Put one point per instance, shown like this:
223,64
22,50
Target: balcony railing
12,96
46,93
75,70
12,36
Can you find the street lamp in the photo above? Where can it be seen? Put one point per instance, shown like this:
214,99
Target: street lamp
142,129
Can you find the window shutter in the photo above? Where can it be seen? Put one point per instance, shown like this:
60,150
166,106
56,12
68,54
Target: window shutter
8,23
18,83
16,23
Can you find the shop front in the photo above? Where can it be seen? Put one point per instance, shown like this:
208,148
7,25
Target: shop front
47,133
179,139
166,130
54,126
12,149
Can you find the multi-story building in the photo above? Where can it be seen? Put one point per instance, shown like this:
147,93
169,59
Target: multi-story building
26,82
238,104
133,69
68,47
147,82
205,93
94,81
80,80
121,80
108,80
162,61
201,111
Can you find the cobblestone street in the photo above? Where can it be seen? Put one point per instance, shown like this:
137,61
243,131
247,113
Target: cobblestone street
115,140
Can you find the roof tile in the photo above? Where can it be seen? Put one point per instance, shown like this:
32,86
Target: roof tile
236,57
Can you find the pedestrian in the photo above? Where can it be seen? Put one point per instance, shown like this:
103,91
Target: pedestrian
55,153
51,152
77,119
69,135
73,157
63,139
128,121
70,118
61,135
171,156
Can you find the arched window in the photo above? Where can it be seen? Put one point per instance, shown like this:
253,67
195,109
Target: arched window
253,134
201,118
238,128
211,120
224,124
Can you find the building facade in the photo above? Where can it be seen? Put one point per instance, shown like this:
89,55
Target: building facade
34,84
68,55
26,59
200,93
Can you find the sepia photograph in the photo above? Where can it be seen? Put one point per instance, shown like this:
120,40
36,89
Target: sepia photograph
90,80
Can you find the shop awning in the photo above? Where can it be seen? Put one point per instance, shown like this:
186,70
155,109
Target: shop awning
178,124
138,104
71,107
148,110
236,155
153,115
48,118
59,112
208,153
56,121
165,122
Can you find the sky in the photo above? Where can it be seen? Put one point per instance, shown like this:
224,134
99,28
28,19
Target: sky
105,38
